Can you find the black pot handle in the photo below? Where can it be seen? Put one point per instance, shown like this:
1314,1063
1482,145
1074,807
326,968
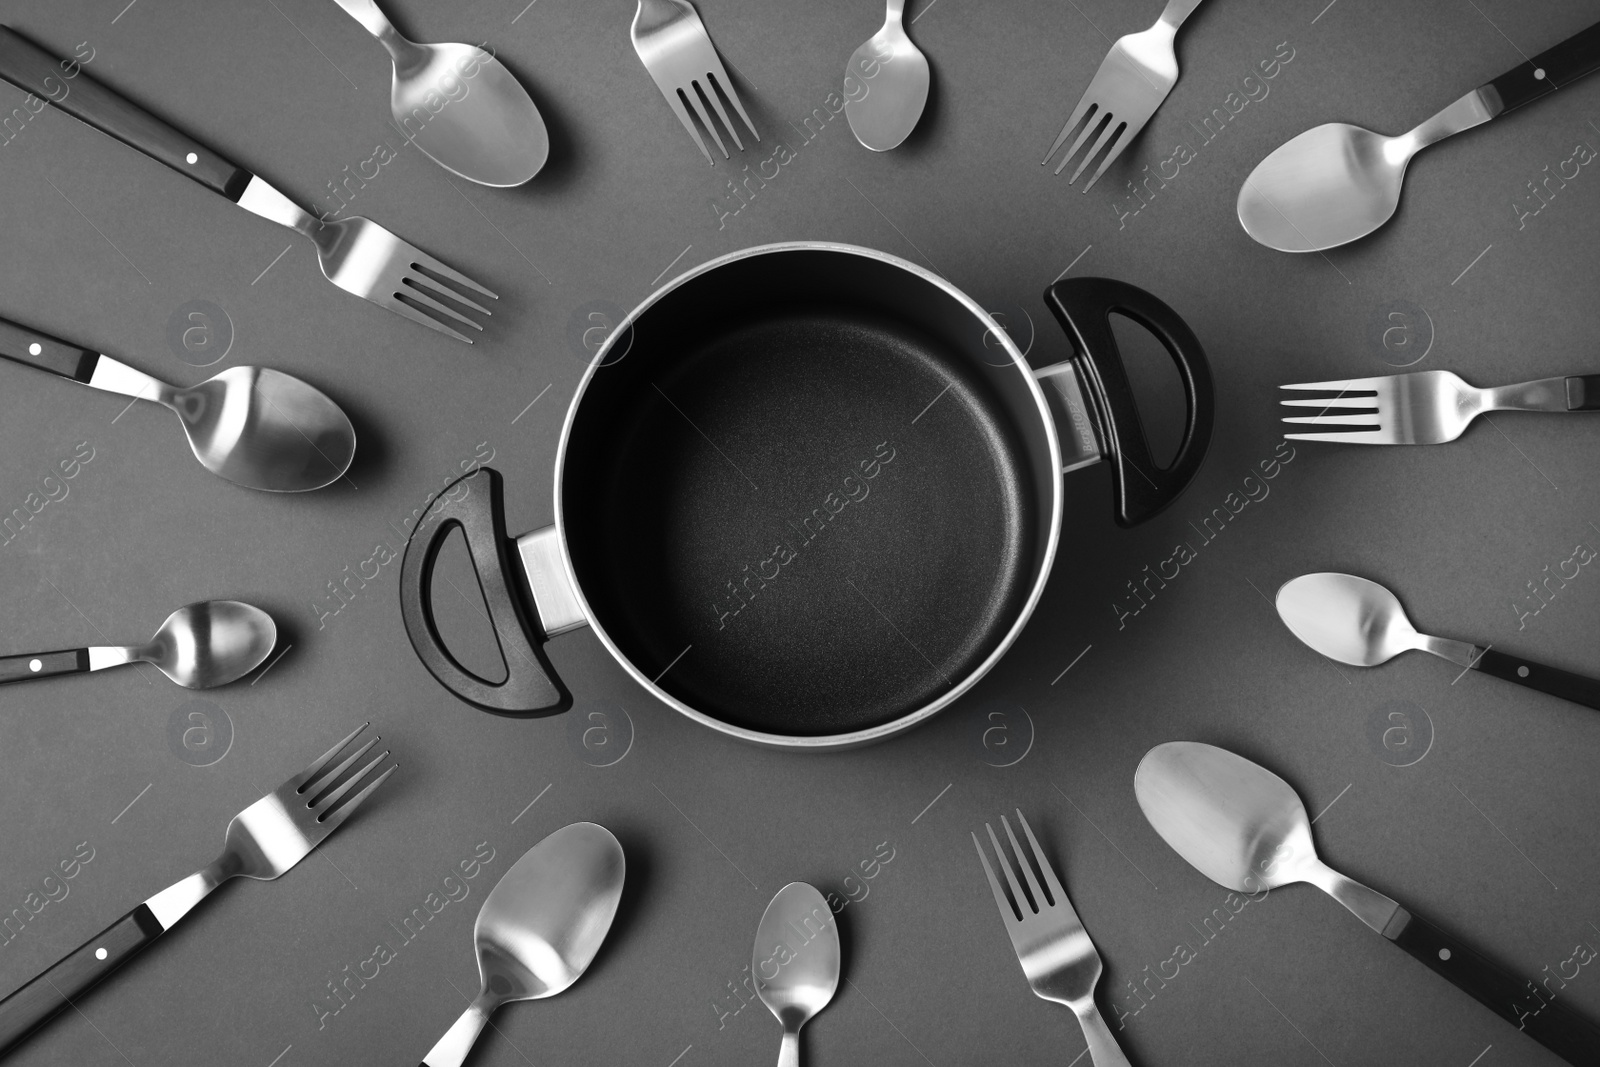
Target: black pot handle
1084,306
476,504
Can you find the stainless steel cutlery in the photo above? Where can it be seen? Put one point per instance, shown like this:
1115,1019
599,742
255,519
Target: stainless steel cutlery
1245,828
255,427
674,47
893,76
1359,622
200,645
1337,182
1426,407
1051,944
459,105
356,254
539,928
796,962
1133,80
263,842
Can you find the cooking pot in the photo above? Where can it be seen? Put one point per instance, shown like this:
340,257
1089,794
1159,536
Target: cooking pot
808,494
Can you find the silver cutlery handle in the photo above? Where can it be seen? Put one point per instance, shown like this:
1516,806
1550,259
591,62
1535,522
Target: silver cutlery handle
1571,393
367,12
789,1051
451,1049
1174,14
1103,1047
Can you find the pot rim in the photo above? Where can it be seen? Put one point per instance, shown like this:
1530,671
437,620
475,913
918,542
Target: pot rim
854,738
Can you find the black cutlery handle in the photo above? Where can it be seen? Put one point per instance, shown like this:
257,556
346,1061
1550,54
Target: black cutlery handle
1529,1007
30,67
476,504
36,1003
1583,392
1550,70
40,350
1563,684
20,668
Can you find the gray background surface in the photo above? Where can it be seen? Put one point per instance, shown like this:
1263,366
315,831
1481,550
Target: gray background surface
1489,832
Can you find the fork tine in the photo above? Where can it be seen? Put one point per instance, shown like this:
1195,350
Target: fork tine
1022,903
1007,912
315,791
422,261
299,780
330,821
328,801
1346,437
1120,142
709,91
1078,114
400,307
422,277
1369,420
1096,120
1113,130
1346,385
411,290
1364,403
721,81
692,93
681,109
1051,882
1039,901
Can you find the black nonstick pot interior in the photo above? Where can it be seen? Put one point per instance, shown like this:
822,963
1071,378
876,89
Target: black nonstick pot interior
803,502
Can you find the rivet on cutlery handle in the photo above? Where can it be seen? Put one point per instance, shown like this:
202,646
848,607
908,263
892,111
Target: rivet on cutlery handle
1548,71
1531,1008
43,664
1558,683
41,999
30,67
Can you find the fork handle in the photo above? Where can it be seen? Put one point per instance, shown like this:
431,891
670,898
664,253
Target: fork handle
1558,683
1103,1047
31,68
36,1003
1178,10
1577,392
1550,70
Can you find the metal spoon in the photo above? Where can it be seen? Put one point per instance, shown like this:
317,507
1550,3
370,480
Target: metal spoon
1245,828
539,928
796,962
1361,623
259,428
460,105
1338,182
201,645
894,73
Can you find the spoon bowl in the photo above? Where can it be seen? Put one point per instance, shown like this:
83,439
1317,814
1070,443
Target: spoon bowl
796,961
210,643
1346,618
1326,187
468,113
265,430
895,75
540,927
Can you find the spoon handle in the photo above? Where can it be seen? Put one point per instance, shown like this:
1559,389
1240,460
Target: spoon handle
1563,684
43,664
40,350
1549,70
34,70
1531,1007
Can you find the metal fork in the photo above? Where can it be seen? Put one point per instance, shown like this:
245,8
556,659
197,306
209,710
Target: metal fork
1427,407
1055,952
263,841
673,45
356,254
1133,79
